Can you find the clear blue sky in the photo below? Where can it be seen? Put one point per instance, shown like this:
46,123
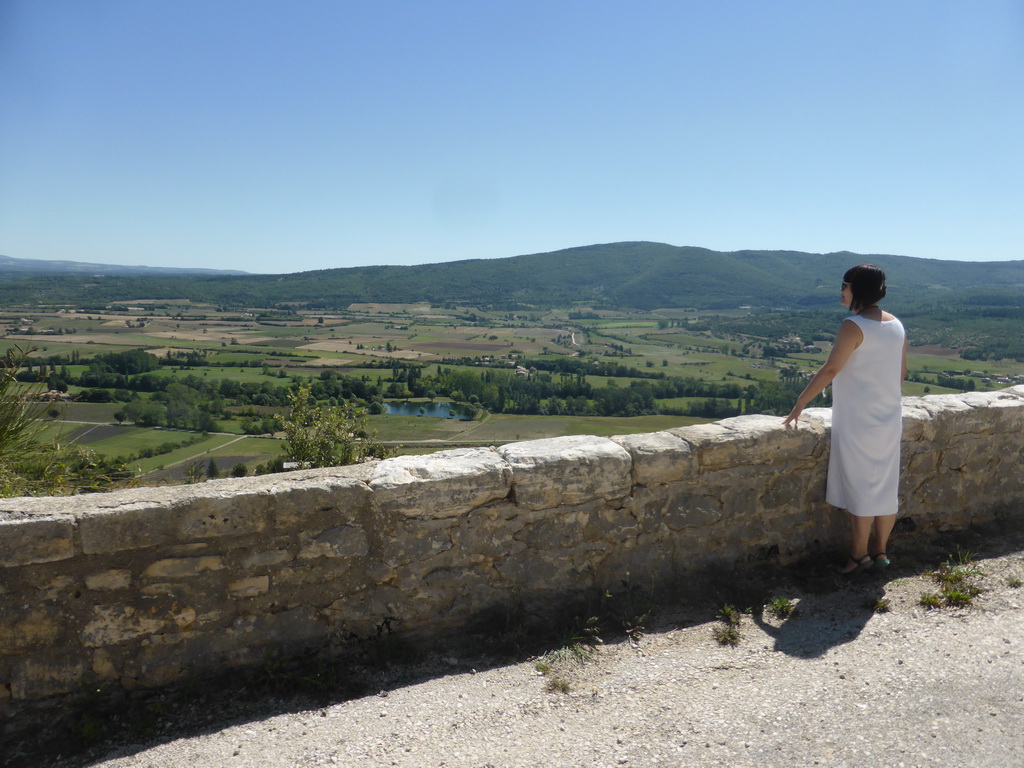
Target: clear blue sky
283,136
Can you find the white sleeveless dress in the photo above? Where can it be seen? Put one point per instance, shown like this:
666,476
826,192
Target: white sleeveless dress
867,422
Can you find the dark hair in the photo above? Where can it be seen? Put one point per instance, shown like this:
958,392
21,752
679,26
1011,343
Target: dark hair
867,286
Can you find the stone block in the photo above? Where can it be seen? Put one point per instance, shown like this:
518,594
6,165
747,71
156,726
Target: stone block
418,540
564,471
688,510
321,501
610,525
39,678
284,629
266,559
112,624
107,581
179,567
659,457
250,587
111,528
917,421
37,627
442,484
31,540
488,533
146,517
560,530
342,541
218,511
751,440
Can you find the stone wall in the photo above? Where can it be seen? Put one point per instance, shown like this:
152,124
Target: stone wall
148,586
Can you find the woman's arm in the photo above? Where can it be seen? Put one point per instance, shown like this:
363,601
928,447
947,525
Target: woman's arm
850,337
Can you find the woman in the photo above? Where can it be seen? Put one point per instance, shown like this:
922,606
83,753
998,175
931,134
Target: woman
866,368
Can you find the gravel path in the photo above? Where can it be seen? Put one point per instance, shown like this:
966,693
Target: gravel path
835,684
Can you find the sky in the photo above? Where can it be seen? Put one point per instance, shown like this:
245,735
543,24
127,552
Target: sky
277,136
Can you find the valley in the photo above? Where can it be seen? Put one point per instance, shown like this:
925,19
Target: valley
182,390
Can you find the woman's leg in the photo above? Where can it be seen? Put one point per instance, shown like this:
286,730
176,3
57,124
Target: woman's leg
883,527
860,532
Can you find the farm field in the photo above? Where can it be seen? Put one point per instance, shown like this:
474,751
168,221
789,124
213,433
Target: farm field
211,374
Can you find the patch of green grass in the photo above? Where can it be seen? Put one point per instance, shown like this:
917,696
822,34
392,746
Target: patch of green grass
881,605
780,607
956,578
1013,582
574,652
959,598
559,685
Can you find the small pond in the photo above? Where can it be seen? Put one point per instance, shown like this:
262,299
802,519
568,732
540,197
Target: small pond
437,410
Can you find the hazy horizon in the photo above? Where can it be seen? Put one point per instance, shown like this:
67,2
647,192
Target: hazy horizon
425,263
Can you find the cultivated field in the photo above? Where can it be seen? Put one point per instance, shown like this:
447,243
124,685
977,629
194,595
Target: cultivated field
238,361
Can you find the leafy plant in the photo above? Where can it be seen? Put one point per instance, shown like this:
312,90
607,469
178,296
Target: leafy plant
326,437
21,414
728,632
730,615
780,607
30,465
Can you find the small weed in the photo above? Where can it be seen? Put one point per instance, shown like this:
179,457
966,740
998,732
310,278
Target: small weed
730,616
573,653
629,608
727,634
543,667
780,607
558,685
881,605
954,578
387,646
1013,582
963,558
958,598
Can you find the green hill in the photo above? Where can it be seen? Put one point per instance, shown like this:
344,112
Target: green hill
642,275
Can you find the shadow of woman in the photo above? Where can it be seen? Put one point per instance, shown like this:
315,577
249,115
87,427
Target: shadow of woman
820,624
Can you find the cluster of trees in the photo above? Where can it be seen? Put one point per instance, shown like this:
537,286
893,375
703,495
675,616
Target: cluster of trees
192,402
963,383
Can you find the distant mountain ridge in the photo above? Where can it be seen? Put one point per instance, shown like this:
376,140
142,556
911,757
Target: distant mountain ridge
13,266
642,275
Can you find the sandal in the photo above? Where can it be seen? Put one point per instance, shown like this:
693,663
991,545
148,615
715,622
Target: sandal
859,565
881,560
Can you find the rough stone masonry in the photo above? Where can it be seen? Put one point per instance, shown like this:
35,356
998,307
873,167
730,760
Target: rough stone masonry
149,586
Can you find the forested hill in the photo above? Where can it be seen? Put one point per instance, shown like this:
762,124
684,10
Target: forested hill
643,275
